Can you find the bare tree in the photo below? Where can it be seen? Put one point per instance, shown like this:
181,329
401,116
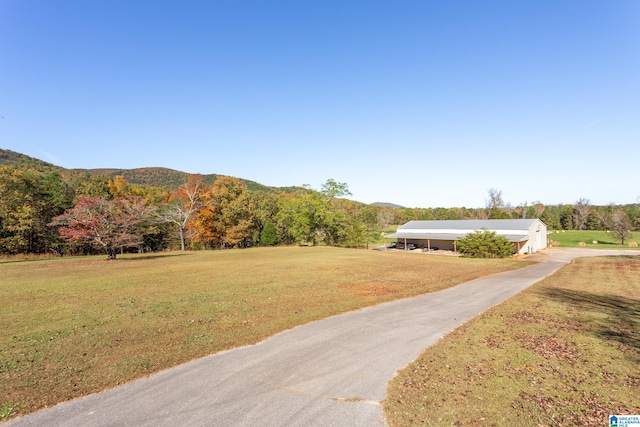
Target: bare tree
495,199
581,211
496,207
385,217
619,225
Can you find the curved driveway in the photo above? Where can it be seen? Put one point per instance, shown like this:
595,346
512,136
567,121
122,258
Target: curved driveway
332,372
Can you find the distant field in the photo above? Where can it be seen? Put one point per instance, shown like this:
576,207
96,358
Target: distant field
565,352
572,238
74,326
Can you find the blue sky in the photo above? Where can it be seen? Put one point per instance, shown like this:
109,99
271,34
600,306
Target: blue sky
419,103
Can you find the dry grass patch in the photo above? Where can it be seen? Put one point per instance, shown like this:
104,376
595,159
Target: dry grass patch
565,352
74,326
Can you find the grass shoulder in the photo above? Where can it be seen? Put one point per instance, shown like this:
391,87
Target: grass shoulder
564,352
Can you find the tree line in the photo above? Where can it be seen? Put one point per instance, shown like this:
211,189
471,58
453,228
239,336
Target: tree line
44,212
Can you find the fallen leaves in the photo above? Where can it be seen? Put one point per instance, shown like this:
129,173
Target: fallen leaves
549,348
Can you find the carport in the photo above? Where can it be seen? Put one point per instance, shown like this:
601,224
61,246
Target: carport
428,240
527,235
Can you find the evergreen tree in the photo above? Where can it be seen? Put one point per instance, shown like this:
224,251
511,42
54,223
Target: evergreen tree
485,244
269,235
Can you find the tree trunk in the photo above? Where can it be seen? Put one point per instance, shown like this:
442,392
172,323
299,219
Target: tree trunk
182,238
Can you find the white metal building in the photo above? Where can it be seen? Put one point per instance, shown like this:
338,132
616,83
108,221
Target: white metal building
527,235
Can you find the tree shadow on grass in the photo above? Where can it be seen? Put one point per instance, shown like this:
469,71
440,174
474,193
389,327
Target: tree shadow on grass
621,320
144,257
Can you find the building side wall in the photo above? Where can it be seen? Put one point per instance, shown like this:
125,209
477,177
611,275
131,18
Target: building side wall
537,237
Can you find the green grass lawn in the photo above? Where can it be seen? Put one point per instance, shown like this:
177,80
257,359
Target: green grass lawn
572,238
565,352
73,326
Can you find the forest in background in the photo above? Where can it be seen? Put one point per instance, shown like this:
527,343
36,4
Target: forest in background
46,209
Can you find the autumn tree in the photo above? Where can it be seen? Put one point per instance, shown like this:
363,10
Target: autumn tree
404,215
228,215
106,225
156,233
183,204
234,212
95,186
203,227
242,229
118,187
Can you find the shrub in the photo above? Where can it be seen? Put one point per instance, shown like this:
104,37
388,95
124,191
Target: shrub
269,235
485,244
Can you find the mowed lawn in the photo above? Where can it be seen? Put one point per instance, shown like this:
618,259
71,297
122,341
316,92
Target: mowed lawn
73,326
604,240
565,352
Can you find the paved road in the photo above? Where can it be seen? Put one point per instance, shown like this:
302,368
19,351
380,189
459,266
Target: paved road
333,372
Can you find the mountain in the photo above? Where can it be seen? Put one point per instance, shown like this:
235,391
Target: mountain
387,205
155,177
8,157
169,179
163,177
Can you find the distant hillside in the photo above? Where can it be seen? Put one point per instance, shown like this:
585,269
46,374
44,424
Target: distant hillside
155,177
169,178
8,157
387,205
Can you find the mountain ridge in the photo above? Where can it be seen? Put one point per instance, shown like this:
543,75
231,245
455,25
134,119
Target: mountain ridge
155,176
161,177
387,205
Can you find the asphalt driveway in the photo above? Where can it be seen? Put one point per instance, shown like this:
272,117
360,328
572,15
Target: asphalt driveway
332,372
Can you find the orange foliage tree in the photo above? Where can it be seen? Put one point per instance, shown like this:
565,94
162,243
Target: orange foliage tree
183,204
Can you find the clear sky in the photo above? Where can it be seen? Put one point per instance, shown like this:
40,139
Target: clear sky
422,103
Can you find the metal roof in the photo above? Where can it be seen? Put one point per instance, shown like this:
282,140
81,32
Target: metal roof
515,230
471,224
513,238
